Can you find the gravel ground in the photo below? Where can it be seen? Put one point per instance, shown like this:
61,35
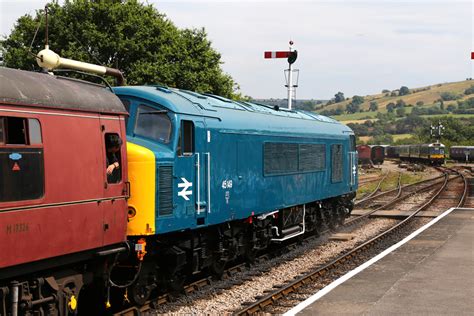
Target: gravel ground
415,200
212,301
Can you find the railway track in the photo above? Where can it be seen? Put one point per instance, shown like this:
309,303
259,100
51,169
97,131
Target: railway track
378,200
377,188
229,274
289,295
370,180
402,194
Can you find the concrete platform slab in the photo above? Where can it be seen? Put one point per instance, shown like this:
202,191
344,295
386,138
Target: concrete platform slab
432,274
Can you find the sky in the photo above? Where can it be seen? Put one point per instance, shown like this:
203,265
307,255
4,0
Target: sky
356,47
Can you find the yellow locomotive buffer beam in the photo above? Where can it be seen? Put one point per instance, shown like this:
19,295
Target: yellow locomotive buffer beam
439,156
141,205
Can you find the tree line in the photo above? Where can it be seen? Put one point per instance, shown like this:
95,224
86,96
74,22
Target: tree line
127,34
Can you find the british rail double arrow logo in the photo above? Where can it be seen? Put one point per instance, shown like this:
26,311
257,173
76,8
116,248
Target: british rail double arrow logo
185,185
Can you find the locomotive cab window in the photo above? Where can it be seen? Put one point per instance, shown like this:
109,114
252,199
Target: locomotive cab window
113,157
353,142
21,159
186,139
153,124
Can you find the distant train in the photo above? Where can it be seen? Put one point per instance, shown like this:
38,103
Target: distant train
392,152
371,154
462,153
433,154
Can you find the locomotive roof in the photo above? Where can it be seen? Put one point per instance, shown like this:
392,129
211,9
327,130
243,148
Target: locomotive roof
428,145
41,89
463,147
188,102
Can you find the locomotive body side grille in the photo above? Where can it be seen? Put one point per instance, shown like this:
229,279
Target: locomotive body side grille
336,153
280,158
312,157
165,190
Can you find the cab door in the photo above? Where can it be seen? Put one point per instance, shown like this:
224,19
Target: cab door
353,159
191,170
114,203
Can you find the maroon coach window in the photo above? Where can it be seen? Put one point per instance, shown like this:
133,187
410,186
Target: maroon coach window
21,159
113,143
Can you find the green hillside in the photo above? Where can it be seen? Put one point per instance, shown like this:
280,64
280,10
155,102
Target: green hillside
429,95
406,115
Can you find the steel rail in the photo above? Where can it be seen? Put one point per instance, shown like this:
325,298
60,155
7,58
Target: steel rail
376,188
395,200
292,287
398,189
365,181
465,192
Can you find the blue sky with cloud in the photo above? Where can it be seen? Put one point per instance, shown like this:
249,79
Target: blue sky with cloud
357,47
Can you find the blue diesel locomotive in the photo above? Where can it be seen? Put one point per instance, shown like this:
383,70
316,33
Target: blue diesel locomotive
213,180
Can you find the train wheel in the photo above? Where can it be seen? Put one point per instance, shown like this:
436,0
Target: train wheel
341,215
140,293
250,254
176,283
217,267
331,220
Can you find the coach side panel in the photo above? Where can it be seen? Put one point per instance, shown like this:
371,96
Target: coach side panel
52,197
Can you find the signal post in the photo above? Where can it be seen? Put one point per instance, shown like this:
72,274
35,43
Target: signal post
291,56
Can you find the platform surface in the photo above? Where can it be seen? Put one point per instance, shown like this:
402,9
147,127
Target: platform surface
432,274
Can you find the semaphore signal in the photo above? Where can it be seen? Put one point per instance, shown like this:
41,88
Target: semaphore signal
291,56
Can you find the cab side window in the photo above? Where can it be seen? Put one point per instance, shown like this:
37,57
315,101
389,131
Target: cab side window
186,139
21,159
353,143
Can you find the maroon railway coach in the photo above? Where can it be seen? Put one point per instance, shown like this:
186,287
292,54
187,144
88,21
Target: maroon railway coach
377,154
61,219
364,154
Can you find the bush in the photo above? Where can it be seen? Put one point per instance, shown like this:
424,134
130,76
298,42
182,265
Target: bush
449,96
469,90
404,90
400,103
390,107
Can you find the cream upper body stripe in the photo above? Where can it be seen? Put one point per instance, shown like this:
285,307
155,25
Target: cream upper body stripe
64,114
